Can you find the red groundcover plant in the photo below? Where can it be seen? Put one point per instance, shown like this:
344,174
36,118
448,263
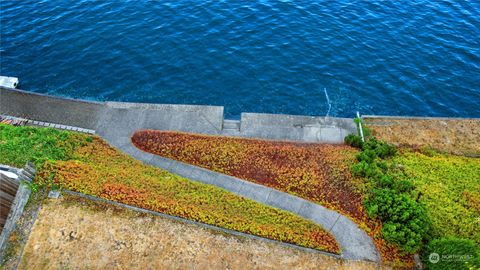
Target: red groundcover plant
317,172
97,169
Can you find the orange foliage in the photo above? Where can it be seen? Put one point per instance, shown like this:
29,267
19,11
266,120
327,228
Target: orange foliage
317,172
100,170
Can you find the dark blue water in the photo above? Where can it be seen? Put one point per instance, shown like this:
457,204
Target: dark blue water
379,57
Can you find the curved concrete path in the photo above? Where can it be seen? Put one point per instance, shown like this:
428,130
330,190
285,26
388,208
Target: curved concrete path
116,122
355,243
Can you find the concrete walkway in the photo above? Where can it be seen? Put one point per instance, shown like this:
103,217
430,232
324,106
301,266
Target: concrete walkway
355,243
116,122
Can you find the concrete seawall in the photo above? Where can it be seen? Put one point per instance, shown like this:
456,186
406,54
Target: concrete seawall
49,109
122,119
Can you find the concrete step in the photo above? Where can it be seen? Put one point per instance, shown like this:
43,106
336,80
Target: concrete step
231,124
230,132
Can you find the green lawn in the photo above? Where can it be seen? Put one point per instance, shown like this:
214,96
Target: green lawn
18,145
450,190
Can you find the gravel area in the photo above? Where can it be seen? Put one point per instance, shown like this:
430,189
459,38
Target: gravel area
454,135
76,233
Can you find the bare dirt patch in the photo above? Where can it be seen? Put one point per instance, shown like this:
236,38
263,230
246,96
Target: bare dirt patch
75,233
456,136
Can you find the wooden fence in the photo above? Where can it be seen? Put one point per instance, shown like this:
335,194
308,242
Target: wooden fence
9,184
8,189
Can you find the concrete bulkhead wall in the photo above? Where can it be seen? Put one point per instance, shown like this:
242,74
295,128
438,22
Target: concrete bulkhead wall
94,115
296,127
120,120
45,108
117,120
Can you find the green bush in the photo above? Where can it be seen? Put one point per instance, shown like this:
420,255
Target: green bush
368,156
404,221
453,253
367,170
385,181
359,169
398,185
354,141
381,149
402,186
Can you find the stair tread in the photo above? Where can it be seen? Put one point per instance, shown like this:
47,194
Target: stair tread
231,124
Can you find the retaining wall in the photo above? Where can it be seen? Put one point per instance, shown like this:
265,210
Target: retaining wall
49,109
117,120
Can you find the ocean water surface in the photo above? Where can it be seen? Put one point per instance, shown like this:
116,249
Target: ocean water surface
378,57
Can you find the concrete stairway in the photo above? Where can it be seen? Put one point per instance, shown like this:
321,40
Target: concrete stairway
231,127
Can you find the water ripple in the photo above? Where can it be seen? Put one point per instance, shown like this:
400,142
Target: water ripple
379,57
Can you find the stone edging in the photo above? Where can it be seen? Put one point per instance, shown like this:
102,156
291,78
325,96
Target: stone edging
354,242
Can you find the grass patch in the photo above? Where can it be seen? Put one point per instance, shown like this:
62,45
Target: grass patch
449,187
427,201
89,165
18,145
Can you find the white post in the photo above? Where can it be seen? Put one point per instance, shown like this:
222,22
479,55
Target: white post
360,126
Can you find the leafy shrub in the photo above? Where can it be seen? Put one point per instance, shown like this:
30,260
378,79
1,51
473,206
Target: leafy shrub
381,149
385,181
354,141
454,253
368,156
367,170
402,186
382,165
405,222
